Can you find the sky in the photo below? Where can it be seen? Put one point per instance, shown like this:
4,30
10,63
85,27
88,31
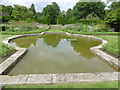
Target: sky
40,4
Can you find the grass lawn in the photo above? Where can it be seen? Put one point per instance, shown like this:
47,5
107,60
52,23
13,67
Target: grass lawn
112,46
23,32
54,30
3,48
69,85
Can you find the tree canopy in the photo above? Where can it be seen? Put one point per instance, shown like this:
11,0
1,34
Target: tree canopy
113,17
82,9
51,13
21,12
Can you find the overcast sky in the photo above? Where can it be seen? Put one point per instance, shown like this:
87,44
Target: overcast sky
40,4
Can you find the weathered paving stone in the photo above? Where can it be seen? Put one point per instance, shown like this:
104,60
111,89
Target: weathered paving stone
110,76
5,80
59,78
20,79
77,77
39,78
5,65
92,77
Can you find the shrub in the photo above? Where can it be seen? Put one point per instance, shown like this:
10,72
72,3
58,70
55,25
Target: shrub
5,50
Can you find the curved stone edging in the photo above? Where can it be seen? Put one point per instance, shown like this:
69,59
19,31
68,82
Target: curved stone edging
56,78
96,50
12,60
21,51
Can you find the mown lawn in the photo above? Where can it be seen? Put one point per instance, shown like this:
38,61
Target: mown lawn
112,46
54,30
69,85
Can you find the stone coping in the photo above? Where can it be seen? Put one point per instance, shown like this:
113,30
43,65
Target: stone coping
58,78
55,78
96,50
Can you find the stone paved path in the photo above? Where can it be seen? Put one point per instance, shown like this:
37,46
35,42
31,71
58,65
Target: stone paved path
58,78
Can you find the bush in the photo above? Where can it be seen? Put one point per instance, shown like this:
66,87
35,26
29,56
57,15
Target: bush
80,27
21,25
5,50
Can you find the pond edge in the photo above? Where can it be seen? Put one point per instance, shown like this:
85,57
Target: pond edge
12,60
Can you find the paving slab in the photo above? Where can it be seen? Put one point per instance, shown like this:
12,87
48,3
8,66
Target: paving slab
38,78
20,79
58,78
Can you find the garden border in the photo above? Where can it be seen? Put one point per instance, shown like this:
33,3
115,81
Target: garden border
62,78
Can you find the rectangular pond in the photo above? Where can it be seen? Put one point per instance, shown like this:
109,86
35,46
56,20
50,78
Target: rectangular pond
58,53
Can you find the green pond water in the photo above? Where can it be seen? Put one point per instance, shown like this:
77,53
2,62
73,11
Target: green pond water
58,53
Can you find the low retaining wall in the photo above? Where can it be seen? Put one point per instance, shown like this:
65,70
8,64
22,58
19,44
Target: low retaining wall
56,78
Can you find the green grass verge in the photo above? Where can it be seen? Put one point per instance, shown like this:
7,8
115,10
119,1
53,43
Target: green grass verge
69,85
4,49
57,30
23,32
54,30
92,33
112,46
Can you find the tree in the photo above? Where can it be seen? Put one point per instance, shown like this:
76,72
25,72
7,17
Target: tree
69,14
51,13
113,18
115,5
7,9
82,9
61,18
21,12
32,9
6,13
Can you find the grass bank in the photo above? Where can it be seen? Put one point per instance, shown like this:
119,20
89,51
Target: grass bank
112,46
23,32
4,49
69,85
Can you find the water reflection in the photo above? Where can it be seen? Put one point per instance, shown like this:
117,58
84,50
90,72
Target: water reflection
52,40
58,53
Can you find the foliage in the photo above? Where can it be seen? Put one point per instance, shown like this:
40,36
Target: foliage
82,27
23,32
115,5
82,9
7,9
21,13
113,18
22,25
112,46
32,9
5,50
61,18
51,12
